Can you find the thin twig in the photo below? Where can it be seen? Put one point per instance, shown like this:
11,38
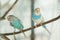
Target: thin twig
4,37
3,17
49,21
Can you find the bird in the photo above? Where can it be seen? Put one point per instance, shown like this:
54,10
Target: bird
15,23
39,19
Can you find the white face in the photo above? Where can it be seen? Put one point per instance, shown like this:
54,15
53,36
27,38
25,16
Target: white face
37,10
9,18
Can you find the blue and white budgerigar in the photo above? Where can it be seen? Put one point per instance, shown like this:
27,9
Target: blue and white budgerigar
38,18
15,23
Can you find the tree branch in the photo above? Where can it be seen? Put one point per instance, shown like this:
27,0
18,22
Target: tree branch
3,17
49,21
4,37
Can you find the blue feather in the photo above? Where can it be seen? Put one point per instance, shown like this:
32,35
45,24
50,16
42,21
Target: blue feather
36,16
17,24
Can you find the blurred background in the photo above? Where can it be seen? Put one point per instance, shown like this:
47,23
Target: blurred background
22,10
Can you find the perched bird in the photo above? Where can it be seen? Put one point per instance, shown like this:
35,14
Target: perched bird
38,18
15,23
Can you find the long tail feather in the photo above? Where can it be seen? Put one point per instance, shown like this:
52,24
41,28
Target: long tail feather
46,29
23,33
14,34
14,37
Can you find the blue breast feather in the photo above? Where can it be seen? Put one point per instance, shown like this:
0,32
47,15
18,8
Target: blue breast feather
36,16
17,24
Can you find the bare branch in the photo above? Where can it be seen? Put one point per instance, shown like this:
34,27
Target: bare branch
3,17
4,37
49,21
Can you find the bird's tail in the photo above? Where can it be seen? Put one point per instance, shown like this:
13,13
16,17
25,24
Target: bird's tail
14,34
23,33
46,29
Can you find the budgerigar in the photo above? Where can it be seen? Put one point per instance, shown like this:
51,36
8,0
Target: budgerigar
38,18
15,23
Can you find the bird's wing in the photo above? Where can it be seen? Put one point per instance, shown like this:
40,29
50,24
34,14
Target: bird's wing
16,24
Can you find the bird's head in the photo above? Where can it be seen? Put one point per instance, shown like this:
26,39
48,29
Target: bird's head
37,10
10,17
